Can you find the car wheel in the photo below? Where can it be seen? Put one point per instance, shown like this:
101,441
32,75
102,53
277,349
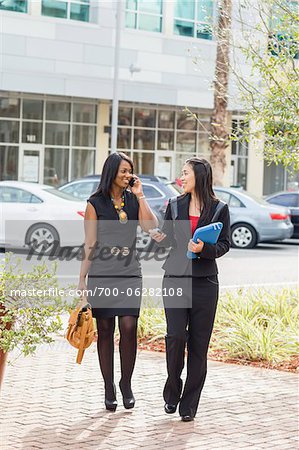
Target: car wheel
43,239
243,236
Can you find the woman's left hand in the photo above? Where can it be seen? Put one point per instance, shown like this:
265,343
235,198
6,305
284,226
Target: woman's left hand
195,247
137,187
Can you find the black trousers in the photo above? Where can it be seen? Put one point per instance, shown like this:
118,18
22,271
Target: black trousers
191,326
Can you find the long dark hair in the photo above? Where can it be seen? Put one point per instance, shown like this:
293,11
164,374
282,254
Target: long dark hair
109,172
203,184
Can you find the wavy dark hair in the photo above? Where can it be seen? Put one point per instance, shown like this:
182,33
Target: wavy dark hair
109,172
203,184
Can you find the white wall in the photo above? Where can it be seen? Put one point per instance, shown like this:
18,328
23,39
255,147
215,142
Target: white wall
64,57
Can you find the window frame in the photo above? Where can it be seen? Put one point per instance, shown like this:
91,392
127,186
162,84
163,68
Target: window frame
137,12
195,22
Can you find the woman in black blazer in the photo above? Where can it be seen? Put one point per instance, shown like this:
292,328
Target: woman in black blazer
191,311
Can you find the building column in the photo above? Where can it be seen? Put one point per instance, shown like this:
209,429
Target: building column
255,169
102,137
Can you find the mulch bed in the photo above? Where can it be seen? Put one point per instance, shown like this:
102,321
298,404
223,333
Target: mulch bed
287,366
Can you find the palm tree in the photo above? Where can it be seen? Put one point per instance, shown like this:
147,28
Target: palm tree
219,119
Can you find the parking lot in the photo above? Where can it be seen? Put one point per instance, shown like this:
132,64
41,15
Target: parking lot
266,265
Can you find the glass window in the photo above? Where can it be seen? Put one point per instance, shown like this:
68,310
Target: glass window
166,119
221,195
144,15
180,159
81,190
150,23
54,8
9,107
82,163
58,111
9,158
143,162
57,134
14,5
124,138
84,113
183,28
145,118
33,109
203,144
289,200
56,166
125,116
32,132
185,122
151,191
13,195
186,142
165,140
84,136
235,202
144,139
9,131
79,12
194,18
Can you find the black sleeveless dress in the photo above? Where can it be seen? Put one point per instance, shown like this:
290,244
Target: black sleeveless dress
114,278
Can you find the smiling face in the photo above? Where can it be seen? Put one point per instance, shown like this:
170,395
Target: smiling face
188,178
123,175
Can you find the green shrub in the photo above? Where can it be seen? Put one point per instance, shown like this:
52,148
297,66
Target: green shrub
250,324
257,325
34,318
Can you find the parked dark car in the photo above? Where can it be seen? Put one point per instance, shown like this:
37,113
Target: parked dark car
291,201
158,190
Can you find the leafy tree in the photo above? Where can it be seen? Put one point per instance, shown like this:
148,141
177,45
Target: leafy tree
270,93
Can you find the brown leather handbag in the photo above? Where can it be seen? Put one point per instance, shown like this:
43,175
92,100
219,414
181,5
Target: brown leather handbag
80,332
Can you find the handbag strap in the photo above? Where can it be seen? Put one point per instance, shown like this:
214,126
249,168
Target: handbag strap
82,340
218,210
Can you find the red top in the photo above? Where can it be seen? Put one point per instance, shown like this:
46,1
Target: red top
193,223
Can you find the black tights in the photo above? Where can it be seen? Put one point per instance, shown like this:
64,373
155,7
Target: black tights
127,348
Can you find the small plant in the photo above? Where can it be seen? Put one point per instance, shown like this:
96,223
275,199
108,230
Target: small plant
30,306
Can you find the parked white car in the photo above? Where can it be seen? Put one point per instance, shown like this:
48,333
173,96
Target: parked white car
40,217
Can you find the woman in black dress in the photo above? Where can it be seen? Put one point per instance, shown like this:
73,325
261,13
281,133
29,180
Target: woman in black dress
111,263
190,316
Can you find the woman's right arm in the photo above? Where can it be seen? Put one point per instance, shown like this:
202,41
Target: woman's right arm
90,229
166,239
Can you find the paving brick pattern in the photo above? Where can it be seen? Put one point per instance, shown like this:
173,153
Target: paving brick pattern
49,402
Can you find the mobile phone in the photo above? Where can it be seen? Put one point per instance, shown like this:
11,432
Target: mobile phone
157,230
132,181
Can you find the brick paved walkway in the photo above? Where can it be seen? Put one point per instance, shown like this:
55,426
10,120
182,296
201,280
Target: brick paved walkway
49,402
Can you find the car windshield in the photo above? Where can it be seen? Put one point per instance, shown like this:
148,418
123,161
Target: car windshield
60,194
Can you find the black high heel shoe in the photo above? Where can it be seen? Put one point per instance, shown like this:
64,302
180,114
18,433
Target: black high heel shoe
129,400
111,404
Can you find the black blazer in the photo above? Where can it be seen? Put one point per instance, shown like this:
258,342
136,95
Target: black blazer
178,233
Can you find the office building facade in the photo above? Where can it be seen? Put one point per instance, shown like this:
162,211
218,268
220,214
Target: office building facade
56,90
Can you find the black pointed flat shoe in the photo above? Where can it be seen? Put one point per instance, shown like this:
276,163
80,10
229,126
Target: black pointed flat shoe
169,408
187,418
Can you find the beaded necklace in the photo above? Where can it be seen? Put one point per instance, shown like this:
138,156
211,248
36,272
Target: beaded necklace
122,215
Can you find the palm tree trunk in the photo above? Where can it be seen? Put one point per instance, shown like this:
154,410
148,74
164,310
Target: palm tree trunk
219,118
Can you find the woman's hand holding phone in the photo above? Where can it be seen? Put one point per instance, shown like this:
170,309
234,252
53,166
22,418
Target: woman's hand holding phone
157,235
136,186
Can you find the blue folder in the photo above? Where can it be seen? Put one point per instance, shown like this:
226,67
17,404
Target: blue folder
209,234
